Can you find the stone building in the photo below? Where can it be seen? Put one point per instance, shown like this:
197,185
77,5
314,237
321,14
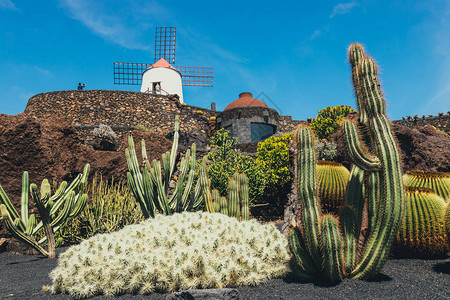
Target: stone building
248,119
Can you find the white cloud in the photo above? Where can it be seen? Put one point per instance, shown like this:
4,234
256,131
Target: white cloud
124,25
343,8
7,4
316,34
43,71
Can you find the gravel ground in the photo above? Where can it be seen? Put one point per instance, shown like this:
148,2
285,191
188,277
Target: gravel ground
22,277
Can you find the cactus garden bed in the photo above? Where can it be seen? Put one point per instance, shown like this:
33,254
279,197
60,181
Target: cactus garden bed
22,277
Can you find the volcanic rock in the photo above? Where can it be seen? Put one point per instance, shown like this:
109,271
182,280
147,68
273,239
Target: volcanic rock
51,148
420,149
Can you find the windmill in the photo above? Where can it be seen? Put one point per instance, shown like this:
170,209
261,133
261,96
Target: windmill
161,77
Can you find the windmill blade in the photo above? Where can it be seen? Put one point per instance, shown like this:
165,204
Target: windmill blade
129,73
196,76
165,44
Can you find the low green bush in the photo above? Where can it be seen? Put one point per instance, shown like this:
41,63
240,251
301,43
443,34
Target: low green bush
223,161
111,207
273,157
328,119
171,253
141,127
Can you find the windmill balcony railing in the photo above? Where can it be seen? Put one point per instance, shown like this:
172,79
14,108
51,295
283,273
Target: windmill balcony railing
159,91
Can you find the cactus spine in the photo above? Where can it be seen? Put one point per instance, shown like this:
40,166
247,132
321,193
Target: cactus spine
447,223
151,188
332,179
236,205
325,245
53,214
422,228
439,182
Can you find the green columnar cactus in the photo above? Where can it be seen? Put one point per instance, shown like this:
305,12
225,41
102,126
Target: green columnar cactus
338,248
53,214
236,205
332,179
422,228
439,182
243,192
233,199
151,188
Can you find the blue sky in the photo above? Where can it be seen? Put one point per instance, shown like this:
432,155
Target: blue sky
292,51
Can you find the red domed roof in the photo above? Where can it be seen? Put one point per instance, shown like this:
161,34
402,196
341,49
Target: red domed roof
245,99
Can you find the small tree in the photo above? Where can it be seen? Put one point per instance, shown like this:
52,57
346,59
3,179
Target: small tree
328,119
223,161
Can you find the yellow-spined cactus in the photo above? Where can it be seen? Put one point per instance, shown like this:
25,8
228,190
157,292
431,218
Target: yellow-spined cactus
439,182
332,178
422,230
447,223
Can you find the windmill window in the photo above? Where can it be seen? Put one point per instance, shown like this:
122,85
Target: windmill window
156,86
261,131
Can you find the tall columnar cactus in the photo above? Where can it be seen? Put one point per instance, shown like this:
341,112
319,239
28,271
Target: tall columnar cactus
332,179
439,182
422,230
150,184
236,205
67,203
337,248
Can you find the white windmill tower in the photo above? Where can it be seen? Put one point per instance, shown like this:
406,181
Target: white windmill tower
161,77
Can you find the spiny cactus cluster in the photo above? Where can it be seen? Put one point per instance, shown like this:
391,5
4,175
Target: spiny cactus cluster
332,180
54,210
150,183
439,182
422,229
336,248
171,253
235,205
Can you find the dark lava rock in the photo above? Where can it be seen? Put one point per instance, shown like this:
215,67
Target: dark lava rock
421,149
51,148
206,294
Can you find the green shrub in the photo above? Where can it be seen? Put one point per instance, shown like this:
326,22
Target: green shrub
326,150
111,208
327,120
141,127
223,161
273,158
170,253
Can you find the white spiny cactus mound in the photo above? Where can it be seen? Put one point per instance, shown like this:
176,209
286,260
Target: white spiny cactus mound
170,253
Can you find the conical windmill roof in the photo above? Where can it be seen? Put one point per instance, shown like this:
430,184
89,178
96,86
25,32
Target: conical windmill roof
162,63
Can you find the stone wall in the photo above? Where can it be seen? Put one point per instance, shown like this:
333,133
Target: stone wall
121,109
440,122
286,124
